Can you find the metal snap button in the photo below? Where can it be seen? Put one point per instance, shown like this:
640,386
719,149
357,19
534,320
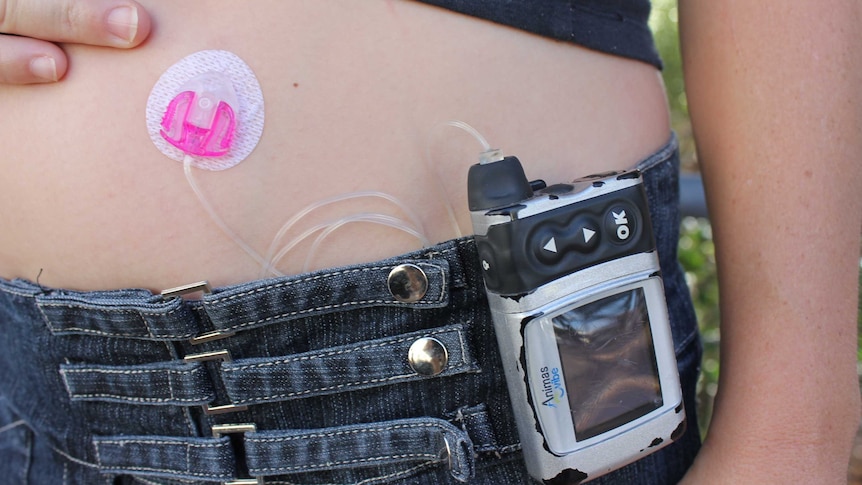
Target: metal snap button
428,356
407,283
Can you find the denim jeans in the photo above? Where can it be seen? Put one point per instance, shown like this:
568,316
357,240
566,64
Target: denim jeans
130,387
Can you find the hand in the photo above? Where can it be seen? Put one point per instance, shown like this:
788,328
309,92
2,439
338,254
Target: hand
29,56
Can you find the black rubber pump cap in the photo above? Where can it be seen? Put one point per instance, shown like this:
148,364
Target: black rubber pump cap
497,184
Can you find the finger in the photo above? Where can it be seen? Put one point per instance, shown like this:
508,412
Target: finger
115,23
27,61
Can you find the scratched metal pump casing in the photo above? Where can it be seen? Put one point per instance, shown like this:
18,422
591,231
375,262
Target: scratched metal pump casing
574,286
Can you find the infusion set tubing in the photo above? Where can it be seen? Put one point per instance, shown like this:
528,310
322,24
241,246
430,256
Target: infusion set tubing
572,281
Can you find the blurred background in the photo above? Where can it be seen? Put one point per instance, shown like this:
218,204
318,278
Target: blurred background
696,251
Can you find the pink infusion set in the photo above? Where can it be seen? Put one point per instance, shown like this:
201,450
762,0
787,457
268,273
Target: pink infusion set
200,120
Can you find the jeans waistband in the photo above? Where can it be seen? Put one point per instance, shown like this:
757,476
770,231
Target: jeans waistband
283,376
208,376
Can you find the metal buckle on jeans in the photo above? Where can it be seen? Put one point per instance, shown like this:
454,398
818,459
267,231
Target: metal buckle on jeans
448,451
210,337
224,356
199,287
223,429
245,481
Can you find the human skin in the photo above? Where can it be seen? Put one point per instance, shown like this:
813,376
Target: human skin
774,95
30,55
356,97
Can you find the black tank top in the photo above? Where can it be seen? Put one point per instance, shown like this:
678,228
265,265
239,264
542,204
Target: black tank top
617,27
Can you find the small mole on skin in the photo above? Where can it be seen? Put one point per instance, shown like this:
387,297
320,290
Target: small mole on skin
296,85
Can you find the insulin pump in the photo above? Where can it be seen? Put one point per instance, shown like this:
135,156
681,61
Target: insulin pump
575,291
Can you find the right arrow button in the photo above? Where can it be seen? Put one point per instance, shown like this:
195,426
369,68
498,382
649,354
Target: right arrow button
584,235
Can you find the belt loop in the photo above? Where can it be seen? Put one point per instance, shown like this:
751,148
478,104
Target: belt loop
190,289
224,356
187,459
412,441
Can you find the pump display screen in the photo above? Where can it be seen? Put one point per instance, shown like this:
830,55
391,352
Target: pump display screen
608,362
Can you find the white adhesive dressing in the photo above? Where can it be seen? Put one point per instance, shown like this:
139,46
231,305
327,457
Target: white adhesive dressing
249,111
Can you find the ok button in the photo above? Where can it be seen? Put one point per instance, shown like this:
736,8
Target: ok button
622,222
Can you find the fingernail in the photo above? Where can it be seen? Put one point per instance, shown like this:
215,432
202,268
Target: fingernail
123,23
44,68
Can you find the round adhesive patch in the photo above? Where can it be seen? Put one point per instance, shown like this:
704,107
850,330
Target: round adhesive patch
245,120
